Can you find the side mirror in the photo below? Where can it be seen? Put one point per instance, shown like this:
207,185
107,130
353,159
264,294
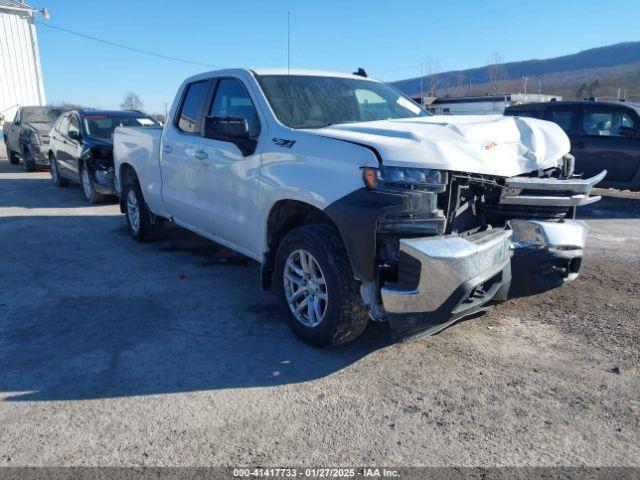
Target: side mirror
227,128
230,129
628,132
74,135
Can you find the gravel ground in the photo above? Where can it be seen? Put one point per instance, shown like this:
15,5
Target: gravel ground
116,353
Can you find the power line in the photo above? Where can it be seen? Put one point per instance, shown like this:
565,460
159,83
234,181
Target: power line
133,49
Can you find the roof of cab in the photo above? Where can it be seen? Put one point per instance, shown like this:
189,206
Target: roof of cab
280,71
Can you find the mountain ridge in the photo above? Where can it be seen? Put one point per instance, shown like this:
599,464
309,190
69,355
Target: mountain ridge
613,67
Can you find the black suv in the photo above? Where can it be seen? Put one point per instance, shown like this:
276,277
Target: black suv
604,136
81,148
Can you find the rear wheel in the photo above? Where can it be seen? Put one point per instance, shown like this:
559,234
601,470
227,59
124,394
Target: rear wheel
143,225
87,187
316,289
58,180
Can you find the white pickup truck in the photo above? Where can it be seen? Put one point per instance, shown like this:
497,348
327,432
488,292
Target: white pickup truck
357,203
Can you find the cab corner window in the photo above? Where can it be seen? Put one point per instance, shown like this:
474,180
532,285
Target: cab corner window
564,118
233,100
191,105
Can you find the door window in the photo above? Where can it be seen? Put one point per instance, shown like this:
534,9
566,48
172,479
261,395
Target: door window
188,119
232,99
605,123
564,117
74,126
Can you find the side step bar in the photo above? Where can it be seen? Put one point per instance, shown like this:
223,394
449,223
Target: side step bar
570,193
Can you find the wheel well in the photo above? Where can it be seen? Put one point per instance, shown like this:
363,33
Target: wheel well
285,215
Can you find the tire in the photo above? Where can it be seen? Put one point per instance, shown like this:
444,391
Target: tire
143,225
88,189
54,169
13,157
27,162
343,315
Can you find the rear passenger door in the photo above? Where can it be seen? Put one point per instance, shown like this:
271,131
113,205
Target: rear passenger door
600,146
68,149
181,156
58,144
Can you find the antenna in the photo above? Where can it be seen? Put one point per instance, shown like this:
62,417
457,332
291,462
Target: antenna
288,43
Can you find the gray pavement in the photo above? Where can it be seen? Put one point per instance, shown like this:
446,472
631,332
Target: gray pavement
117,353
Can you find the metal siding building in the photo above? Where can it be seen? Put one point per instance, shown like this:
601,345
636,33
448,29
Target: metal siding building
20,71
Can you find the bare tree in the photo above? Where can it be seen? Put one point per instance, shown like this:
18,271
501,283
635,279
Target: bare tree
431,70
497,72
132,101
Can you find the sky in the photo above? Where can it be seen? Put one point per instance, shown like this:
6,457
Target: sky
388,38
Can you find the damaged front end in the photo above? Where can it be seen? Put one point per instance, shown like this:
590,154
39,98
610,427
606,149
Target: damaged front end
486,239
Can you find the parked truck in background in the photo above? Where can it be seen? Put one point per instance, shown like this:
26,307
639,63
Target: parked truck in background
357,203
27,137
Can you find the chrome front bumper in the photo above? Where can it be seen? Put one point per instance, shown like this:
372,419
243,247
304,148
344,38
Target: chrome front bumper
458,275
450,268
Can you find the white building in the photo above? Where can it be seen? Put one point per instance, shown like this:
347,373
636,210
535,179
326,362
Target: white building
481,104
20,71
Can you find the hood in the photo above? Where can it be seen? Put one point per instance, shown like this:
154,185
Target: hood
487,145
42,128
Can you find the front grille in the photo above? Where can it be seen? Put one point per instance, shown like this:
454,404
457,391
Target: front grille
534,212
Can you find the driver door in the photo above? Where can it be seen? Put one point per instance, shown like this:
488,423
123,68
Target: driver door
227,187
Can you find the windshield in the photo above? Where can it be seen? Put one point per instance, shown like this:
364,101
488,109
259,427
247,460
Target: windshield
102,126
40,114
303,101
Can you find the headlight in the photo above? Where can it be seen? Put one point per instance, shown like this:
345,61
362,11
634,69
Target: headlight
32,136
404,178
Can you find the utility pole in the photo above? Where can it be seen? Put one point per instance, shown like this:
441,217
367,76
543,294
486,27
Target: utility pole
525,84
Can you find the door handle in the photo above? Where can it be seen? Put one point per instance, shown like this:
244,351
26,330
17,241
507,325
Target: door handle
166,148
580,145
200,155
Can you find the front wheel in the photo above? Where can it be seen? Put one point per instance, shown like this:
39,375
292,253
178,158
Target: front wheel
13,157
58,180
27,161
88,189
143,226
316,289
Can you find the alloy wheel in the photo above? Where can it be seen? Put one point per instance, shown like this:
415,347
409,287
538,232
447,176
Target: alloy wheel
305,288
86,184
133,211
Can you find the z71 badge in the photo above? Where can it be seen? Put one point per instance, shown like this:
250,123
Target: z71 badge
283,142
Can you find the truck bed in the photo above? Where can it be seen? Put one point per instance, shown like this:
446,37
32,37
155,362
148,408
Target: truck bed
140,148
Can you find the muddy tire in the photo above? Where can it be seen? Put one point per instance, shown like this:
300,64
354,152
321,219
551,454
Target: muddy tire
143,225
315,287
54,169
